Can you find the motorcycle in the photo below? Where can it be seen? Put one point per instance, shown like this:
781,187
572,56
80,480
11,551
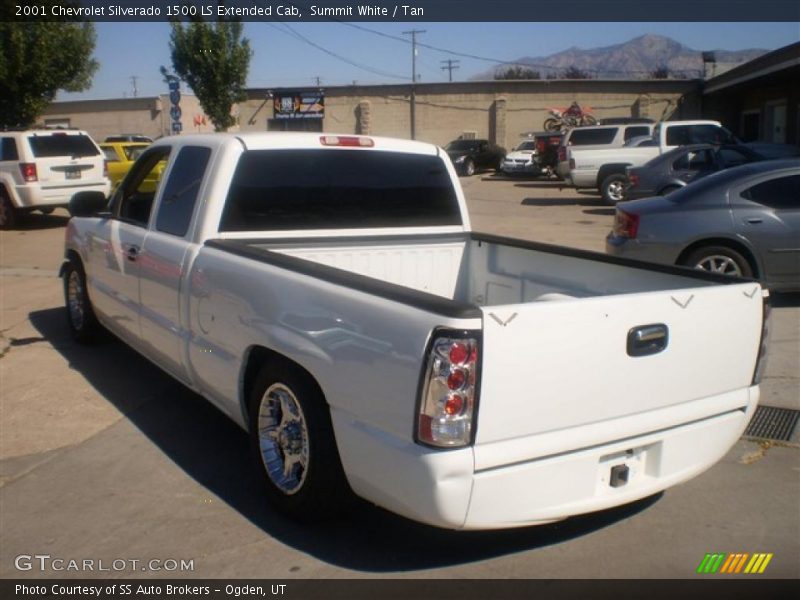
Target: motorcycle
562,119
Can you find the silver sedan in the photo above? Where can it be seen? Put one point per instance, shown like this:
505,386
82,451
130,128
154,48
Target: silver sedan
743,221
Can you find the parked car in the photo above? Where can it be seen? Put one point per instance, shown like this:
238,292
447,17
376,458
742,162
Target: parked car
743,221
536,155
600,137
129,137
120,157
41,169
677,168
327,293
470,155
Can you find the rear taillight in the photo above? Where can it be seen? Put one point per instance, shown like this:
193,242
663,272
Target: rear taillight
761,361
29,171
449,391
633,179
626,224
540,146
562,154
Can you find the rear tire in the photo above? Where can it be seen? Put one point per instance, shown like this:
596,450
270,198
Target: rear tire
469,167
8,214
292,440
552,124
82,321
721,260
613,188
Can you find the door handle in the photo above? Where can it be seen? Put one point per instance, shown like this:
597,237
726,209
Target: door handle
647,339
754,220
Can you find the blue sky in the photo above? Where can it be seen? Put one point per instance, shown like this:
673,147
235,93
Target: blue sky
282,59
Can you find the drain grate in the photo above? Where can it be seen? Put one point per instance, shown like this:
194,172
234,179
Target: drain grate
772,423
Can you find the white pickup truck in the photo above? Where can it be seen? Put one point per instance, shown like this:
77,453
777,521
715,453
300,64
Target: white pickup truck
604,168
326,293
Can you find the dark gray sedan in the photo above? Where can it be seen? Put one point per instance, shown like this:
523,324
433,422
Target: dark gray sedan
743,221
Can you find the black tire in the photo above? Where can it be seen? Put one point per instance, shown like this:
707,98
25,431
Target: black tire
8,214
302,443
613,188
719,259
80,315
552,124
469,168
498,168
668,190
48,210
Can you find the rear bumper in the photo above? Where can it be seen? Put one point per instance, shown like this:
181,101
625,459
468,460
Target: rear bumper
564,473
35,196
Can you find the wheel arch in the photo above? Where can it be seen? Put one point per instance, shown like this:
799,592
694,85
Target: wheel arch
745,250
256,357
610,169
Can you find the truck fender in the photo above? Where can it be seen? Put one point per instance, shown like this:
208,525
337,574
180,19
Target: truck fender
610,169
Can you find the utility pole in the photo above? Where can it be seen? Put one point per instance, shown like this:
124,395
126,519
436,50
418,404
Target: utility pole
450,66
413,33
318,80
134,79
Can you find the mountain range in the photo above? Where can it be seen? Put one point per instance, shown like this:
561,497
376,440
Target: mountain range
631,60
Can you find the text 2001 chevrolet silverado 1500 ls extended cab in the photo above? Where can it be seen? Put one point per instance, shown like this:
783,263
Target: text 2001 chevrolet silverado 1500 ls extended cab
327,294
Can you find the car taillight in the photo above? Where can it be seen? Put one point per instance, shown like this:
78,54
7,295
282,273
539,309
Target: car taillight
761,361
562,154
29,171
633,179
449,391
540,146
346,140
626,224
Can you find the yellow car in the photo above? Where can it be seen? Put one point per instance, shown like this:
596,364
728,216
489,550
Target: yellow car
120,157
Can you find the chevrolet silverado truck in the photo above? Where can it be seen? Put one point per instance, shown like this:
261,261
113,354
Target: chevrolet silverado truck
605,169
327,294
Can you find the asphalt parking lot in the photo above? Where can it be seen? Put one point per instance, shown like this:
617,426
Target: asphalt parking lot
104,457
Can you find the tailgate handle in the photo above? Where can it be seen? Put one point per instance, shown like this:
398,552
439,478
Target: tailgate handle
647,339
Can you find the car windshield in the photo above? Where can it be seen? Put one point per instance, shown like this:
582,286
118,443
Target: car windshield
527,145
461,145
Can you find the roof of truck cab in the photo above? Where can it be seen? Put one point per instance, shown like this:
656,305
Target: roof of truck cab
302,140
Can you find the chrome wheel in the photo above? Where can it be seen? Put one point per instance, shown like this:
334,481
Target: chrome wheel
616,191
718,263
75,300
283,438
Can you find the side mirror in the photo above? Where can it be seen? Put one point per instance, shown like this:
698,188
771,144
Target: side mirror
87,204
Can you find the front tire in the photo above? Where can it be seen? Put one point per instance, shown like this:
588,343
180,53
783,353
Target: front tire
469,167
293,444
613,188
552,124
82,321
721,260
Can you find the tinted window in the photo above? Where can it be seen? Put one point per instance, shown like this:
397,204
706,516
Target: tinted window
180,194
330,189
133,200
587,137
8,149
110,154
681,135
632,132
59,144
733,158
134,152
780,193
462,145
700,160
527,146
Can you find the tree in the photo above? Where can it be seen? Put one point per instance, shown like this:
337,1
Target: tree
37,60
517,72
574,72
213,59
661,72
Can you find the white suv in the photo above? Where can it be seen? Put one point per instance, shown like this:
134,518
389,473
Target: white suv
43,169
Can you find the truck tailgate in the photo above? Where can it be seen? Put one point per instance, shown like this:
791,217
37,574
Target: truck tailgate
555,365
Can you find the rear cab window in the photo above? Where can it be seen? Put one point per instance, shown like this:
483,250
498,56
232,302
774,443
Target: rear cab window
281,190
587,137
636,131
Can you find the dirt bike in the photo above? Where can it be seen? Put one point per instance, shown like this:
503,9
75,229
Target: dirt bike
561,119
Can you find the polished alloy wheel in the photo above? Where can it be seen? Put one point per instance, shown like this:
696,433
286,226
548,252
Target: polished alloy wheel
616,191
283,438
717,263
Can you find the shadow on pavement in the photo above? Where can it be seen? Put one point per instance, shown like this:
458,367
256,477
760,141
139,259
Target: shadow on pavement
605,212
35,221
547,185
215,452
557,202
785,299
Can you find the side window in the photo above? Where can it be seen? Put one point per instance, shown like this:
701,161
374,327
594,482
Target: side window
632,132
133,200
8,149
587,137
694,161
732,158
110,154
180,191
781,193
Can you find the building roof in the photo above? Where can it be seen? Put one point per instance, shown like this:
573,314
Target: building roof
775,62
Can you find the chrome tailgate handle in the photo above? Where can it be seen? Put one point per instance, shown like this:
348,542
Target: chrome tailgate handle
647,339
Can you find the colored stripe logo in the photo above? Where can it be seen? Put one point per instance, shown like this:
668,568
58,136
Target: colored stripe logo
735,563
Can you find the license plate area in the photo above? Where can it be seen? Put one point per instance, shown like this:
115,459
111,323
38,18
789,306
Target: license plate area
72,173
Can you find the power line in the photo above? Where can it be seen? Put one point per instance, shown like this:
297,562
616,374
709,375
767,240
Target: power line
449,67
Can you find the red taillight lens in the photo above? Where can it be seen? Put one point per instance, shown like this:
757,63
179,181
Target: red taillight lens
540,146
626,224
447,406
29,171
633,179
346,140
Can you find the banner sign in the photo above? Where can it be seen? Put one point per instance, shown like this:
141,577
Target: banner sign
299,105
